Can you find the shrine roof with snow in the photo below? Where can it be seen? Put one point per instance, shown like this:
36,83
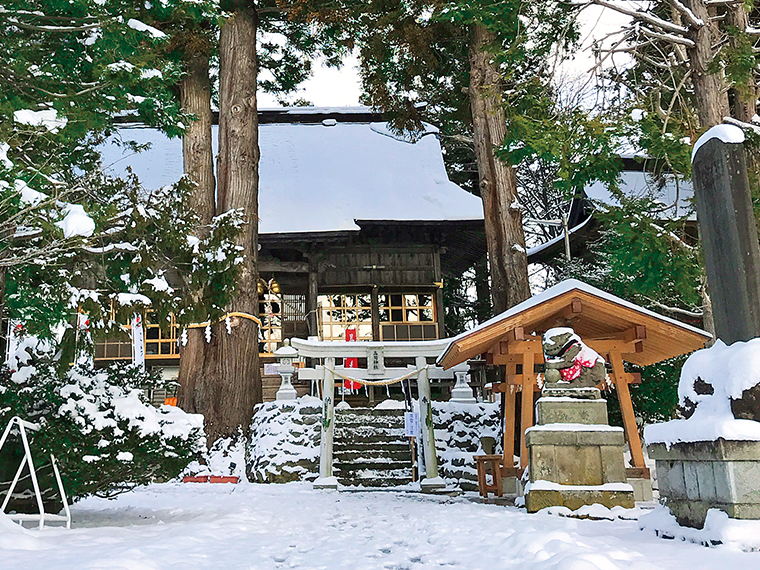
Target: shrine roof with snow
321,170
592,313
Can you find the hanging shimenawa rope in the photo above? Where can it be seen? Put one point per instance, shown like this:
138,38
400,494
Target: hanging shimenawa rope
224,318
379,382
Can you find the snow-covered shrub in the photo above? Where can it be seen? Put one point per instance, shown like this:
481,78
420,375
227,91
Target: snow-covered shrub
284,442
105,436
458,430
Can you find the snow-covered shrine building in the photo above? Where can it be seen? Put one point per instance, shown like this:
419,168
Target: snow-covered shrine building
359,228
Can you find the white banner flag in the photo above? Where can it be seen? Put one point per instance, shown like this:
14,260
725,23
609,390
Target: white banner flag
138,342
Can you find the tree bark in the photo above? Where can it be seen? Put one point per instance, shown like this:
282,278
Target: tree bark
3,330
710,91
197,153
497,181
231,384
744,95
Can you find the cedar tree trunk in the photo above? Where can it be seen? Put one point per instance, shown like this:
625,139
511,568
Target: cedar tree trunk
231,383
195,97
710,91
498,185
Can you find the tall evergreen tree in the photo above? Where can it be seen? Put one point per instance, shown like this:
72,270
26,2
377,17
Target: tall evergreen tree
462,59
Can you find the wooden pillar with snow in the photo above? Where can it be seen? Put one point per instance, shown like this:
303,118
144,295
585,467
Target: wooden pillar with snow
618,330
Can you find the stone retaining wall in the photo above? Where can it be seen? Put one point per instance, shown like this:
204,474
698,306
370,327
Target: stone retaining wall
284,443
458,429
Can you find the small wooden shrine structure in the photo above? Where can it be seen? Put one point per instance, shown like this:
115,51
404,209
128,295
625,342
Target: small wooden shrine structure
617,329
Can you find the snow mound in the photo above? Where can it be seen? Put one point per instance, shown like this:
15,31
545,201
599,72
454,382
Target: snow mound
391,405
718,529
729,371
14,537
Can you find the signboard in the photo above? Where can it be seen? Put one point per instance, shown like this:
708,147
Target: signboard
138,341
411,424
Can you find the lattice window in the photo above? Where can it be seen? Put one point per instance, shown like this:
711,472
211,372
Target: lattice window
339,312
270,313
406,308
407,316
160,343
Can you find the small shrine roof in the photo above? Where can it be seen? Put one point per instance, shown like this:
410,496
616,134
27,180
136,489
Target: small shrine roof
592,313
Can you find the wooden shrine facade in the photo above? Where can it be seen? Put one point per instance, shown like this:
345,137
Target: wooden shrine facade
618,330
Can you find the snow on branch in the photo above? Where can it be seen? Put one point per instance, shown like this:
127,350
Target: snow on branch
742,125
672,38
693,20
643,17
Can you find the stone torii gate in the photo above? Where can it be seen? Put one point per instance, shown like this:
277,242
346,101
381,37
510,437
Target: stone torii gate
617,329
376,371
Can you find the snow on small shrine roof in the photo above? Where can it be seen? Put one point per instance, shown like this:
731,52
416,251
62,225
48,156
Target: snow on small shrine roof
603,315
322,176
638,184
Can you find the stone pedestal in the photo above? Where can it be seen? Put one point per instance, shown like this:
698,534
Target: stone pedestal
575,458
695,477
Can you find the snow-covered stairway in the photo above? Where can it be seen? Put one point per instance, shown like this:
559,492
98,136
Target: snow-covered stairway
370,449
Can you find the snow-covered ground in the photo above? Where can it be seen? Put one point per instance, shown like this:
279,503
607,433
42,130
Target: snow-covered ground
249,526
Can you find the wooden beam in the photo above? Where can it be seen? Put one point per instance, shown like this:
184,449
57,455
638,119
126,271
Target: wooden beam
277,266
505,358
574,309
605,346
626,407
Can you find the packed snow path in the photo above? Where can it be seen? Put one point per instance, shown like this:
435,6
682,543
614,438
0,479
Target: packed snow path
210,526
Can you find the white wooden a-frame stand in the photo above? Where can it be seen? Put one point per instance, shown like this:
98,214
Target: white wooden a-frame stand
27,460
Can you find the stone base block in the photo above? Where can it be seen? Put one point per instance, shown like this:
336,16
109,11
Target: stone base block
509,485
722,474
642,489
693,513
591,456
574,499
567,410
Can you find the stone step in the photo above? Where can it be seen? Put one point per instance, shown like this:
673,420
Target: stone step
381,467
369,441
370,412
375,483
368,419
395,453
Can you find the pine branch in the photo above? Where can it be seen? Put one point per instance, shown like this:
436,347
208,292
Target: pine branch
57,29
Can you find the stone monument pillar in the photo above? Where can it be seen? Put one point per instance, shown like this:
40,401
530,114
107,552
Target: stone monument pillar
575,456
728,232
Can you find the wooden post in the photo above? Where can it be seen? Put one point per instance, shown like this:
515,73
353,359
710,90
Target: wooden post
438,295
509,426
431,481
326,480
312,304
626,407
526,412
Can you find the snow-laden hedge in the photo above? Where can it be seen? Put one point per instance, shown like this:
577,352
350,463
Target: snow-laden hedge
105,436
284,443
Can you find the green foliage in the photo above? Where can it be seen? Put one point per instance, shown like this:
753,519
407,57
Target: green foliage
656,398
105,438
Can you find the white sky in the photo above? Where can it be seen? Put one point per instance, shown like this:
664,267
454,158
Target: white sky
340,87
